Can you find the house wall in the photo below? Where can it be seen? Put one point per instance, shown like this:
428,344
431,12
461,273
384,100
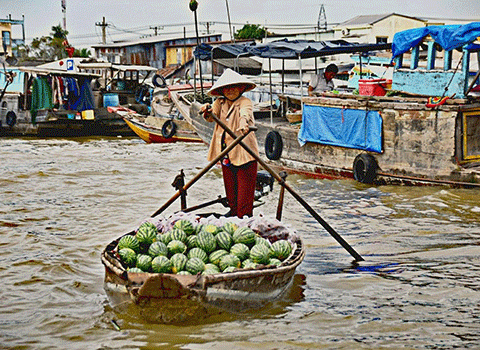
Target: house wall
6,27
391,25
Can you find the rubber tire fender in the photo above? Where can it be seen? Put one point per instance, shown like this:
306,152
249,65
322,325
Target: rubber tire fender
159,81
169,129
273,145
11,118
365,168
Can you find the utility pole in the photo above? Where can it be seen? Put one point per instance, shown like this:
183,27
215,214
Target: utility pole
64,11
322,19
104,26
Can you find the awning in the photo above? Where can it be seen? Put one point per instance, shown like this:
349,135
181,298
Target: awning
285,49
449,37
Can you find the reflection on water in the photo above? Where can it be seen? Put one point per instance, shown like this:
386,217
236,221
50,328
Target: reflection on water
64,200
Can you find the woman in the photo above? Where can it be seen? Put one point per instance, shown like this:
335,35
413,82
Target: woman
239,168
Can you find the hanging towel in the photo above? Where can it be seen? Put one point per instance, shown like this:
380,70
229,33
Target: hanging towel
41,96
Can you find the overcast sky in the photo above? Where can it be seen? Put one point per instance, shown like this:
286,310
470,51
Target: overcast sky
133,18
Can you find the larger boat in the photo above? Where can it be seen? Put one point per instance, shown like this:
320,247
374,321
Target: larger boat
423,127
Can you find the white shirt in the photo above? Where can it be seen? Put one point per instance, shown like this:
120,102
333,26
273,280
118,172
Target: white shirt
319,83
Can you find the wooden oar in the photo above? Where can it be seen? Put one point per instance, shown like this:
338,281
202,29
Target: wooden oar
202,172
277,177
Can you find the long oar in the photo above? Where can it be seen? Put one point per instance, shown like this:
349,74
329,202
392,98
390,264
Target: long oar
202,172
277,177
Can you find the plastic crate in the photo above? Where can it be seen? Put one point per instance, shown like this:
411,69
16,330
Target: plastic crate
372,87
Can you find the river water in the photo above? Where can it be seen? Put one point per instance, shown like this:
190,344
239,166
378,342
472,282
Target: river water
64,200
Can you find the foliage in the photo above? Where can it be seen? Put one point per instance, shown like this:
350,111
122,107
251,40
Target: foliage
251,31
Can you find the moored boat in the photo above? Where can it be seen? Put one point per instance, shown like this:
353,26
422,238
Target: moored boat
421,130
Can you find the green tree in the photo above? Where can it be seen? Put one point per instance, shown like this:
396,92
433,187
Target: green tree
251,31
48,48
82,53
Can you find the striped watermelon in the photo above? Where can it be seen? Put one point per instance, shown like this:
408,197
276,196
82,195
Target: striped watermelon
248,264
260,254
230,227
274,261
195,265
198,253
183,272
144,262
206,241
229,260
198,228
146,234
240,250
217,255
128,241
244,235
192,241
178,262
134,270
264,241
212,267
128,256
185,225
280,250
178,234
161,264
211,229
157,249
165,237
175,247
224,240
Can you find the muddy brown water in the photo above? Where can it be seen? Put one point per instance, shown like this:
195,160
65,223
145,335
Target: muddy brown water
63,200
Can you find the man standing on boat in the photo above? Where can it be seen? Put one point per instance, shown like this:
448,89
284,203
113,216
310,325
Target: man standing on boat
323,81
239,168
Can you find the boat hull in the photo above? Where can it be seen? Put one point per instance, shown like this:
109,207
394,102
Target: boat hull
170,298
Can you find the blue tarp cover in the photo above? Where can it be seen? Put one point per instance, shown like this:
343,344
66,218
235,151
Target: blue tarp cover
449,37
351,128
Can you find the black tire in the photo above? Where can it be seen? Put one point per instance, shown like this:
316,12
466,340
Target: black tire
273,145
168,129
11,118
365,168
159,81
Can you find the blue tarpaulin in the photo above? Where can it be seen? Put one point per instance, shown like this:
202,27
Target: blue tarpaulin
449,37
351,128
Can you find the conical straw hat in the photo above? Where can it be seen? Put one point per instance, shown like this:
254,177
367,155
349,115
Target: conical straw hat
230,77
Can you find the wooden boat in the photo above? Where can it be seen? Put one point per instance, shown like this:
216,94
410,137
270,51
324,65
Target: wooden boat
161,129
173,298
425,132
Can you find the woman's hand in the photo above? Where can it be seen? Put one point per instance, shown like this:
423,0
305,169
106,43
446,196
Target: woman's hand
206,111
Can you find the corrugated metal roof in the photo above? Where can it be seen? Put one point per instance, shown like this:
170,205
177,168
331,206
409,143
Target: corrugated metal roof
371,19
151,40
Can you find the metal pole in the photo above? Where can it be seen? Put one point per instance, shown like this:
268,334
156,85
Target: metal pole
271,92
200,61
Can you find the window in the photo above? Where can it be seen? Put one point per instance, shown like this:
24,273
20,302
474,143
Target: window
382,39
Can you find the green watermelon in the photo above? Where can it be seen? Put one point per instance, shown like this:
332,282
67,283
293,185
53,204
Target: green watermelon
224,240
244,235
134,270
274,261
146,234
215,256
192,241
198,253
176,247
165,237
178,262
144,262
281,250
178,234
264,241
230,228
229,269
248,264
195,265
186,226
198,228
183,272
206,241
161,264
211,229
212,267
128,241
260,254
229,260
128,256
240,250
157,248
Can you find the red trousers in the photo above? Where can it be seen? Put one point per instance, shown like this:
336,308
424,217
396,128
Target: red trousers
240,184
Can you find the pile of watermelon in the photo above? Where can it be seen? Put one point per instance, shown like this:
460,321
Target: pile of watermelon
190,249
